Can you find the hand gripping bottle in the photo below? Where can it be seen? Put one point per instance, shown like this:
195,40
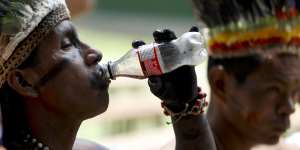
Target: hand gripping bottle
157,59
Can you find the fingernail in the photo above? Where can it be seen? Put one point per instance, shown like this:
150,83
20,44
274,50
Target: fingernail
137,43
199,89
153,80
194,29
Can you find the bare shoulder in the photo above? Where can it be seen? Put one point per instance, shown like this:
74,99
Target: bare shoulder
169,146
82,144
279,146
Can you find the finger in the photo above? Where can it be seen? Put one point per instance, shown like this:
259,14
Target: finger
158,36
169,35
162,89
137,43
170,91
165,35
194,29
156,85
202,95
199,89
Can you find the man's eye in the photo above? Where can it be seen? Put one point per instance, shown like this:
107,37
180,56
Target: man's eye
66,46
296,96
272,93
273,89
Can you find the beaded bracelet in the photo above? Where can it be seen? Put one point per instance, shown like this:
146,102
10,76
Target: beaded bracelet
195,107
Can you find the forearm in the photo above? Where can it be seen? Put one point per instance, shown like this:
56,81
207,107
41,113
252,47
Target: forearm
193,133
181,97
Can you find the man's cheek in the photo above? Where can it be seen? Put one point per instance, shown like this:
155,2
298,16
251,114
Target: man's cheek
253,118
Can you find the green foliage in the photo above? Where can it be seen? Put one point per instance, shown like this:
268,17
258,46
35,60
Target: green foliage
11,16
181,8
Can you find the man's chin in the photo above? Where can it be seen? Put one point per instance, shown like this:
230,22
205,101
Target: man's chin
272,140
98,107
96,112
104,103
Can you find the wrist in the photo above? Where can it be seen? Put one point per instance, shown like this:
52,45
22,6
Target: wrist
178,110
175,107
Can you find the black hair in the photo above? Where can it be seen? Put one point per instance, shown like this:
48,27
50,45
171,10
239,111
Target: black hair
239,67
216,13
13,114
222,12
31,61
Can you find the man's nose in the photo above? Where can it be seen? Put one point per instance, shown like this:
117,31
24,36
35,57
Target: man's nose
92,56
286,107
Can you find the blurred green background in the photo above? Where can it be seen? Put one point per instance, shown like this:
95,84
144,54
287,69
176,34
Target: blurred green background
134,118
117,23
178,8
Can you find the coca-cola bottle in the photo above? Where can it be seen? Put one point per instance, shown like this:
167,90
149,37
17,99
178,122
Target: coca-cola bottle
157,59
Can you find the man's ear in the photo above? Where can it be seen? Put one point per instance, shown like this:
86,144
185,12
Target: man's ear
17,79
217,80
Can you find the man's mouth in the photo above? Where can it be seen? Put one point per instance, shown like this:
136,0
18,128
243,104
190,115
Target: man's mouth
103,75
279,130
99,79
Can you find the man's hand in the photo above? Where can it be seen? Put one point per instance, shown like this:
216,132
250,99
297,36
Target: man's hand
177,87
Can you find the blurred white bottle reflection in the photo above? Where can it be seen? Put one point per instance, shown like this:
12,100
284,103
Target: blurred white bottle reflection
157,59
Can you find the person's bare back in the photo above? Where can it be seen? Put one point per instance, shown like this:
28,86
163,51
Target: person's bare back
82,144
280,146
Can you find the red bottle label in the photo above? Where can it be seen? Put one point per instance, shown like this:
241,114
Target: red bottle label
149,61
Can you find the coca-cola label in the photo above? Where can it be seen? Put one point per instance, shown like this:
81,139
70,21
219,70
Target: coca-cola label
149,60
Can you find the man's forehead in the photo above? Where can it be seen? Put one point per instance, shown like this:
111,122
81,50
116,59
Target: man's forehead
52,42
64,27
61,31
282,67
281,61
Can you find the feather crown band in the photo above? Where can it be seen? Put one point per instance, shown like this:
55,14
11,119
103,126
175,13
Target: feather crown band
254,26
18,18
23,25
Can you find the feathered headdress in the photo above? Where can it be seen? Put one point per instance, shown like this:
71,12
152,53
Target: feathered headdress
243,27
23,24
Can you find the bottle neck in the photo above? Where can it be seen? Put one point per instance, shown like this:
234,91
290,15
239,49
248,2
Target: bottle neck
109,72
106,70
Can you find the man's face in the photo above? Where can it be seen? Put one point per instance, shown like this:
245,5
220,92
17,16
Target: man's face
260,107
68,76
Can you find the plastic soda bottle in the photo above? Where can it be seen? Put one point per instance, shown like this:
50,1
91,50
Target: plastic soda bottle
157,59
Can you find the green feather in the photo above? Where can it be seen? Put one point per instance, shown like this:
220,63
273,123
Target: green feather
216,13
13,14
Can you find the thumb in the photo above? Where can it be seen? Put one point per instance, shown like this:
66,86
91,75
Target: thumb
156,85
